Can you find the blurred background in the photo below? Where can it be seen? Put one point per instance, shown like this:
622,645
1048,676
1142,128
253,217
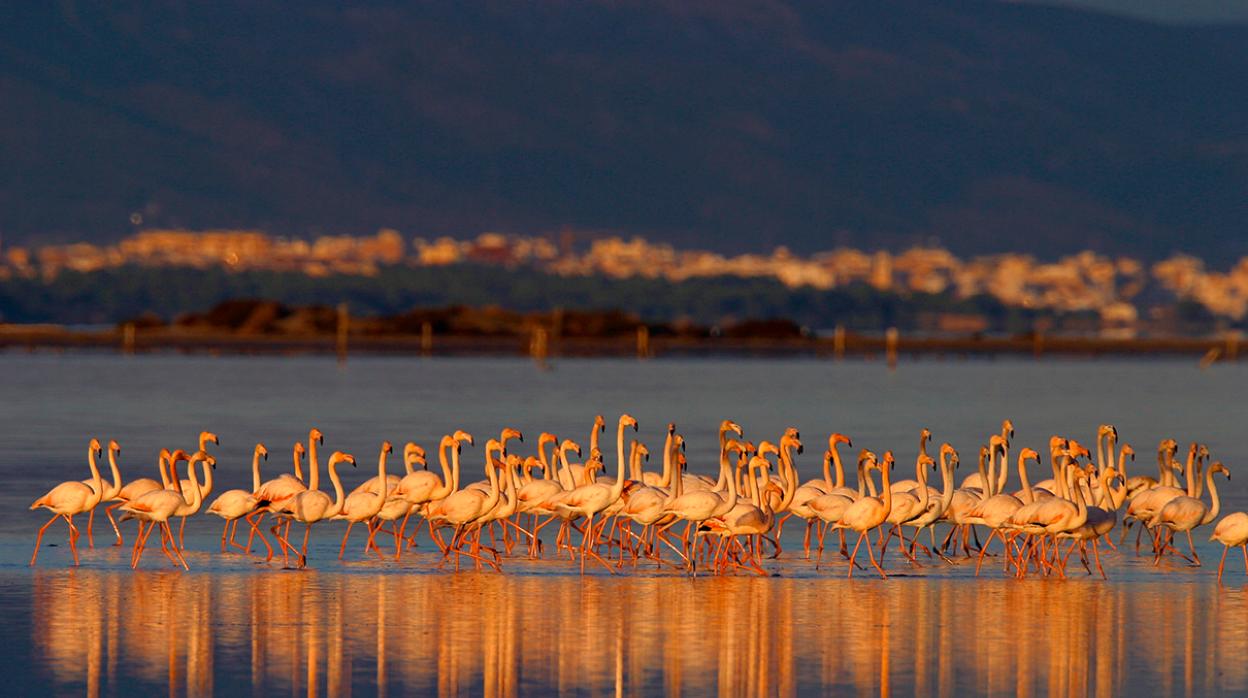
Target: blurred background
774,169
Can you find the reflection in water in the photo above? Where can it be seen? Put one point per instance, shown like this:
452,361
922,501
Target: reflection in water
396,634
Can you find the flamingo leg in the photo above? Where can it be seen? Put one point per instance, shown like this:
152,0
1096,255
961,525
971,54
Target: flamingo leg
343,548
1191,545
303,552
225,531
1096,552
73,538
268,548
982,550
90,533
109,512
877,565
255,523
861,535
140,543
39,537
1222,563
176,549
371,535
182,533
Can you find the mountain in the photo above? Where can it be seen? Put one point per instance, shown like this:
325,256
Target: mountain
736,124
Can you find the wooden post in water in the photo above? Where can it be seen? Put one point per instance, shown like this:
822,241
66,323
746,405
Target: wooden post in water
890,347
1232,345
127,338
643,342
838,342
426,338
537,346
344,325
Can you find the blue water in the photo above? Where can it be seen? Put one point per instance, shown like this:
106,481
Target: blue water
366,627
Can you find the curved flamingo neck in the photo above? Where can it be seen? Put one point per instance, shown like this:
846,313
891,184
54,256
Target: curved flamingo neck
339,495
617,488
1003,474
112,465
1028,495
444,489
1216,507
255,471
313,461
924,495
946,474
162,465
97,482
314,479
297,456
1188,471
564,470
196,494
382,485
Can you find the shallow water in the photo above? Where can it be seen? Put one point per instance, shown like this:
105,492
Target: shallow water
364,627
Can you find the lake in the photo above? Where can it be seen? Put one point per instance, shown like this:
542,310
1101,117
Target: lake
363,627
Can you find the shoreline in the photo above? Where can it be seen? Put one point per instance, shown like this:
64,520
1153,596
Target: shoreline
128,340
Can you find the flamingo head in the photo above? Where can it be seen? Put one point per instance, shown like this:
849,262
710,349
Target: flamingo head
570,445
205,437
1007,429
1217,467
839,438
262,451
94,446
315,435
729,425
386,448
1028,453
546,438
1127,450
642,450
463,436
114,447
628,421
600,424
299,449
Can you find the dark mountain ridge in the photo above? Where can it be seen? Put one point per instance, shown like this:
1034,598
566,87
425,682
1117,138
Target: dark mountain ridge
730,124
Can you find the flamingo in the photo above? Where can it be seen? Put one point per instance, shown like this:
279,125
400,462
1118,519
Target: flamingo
464,507
274,495
137,488
157,507
830,508
233,505
110,491
363,506
701,505
312,505
1232,531
69,499
422,488
995,511
868,513
594,498
1185,513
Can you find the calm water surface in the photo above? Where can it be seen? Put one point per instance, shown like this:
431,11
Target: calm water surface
232,626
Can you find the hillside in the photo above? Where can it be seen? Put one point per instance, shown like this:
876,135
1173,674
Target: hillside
734,123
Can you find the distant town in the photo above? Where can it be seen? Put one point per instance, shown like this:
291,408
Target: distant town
1122,292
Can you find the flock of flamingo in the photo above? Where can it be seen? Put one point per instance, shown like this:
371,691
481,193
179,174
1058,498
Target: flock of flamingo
730,522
